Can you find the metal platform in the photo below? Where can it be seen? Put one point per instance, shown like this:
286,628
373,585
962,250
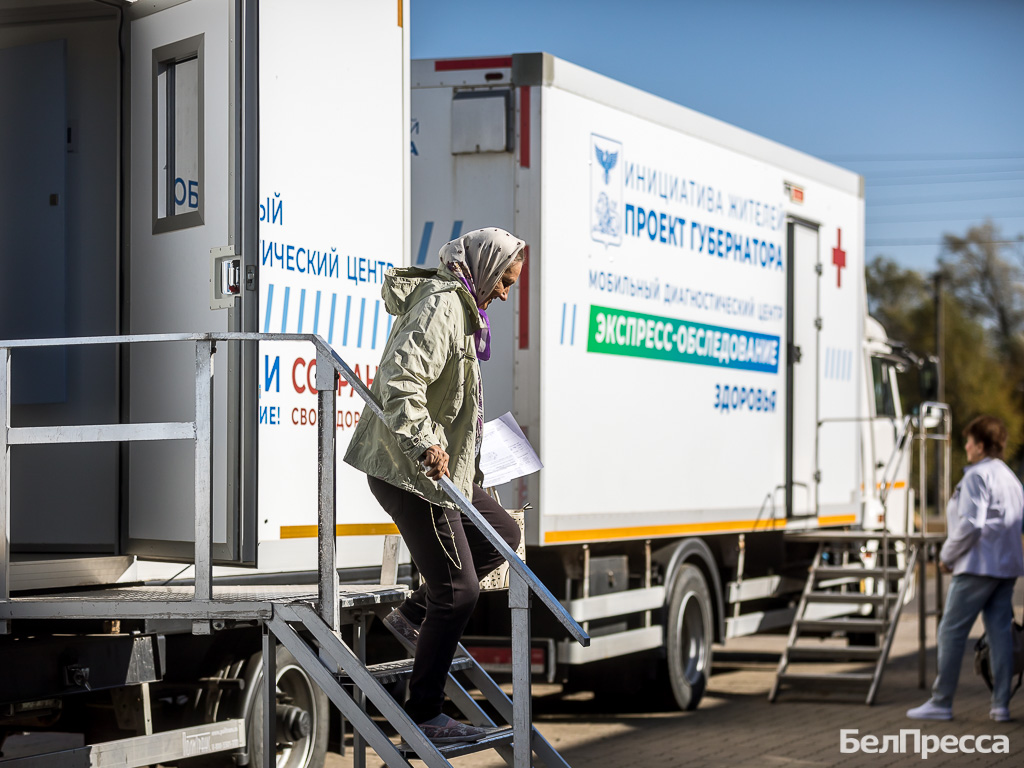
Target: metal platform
177,602
828,535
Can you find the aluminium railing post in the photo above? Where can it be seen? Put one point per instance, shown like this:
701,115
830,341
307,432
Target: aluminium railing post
5,484
268,697
327,583
204,478
522,714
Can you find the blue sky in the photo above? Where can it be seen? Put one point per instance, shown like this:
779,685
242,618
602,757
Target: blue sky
925,99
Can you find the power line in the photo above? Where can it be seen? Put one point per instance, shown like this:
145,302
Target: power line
915,157
912,173
927,241
960,199
889,183
940,217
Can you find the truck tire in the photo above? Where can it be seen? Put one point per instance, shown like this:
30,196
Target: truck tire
295,688
689,629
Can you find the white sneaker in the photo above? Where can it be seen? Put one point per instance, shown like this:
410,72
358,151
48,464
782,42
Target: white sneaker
999,714
930,711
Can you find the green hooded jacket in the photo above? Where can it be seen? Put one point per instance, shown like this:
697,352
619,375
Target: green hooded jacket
427,384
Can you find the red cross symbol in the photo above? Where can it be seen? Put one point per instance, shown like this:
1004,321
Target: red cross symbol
839,258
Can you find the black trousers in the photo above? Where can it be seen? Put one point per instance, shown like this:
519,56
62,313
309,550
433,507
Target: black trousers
451,556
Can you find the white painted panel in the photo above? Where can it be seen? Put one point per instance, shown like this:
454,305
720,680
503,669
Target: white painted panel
169,288
334,159
805,372
664,236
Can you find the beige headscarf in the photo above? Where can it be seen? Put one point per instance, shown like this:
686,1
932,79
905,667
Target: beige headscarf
487,253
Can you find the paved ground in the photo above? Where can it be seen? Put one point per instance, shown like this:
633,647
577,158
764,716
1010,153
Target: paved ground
736,726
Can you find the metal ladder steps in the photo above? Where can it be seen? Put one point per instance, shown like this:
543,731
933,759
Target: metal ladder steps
826,680
834,653
848,597
494,741
842,625
393,671
828,536
840,571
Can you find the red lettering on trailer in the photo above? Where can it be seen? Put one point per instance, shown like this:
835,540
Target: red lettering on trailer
524,126
524,302
494,62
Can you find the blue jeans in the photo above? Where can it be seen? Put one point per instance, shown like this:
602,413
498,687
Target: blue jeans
968,596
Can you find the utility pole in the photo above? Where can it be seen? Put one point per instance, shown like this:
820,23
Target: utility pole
940,334
940,353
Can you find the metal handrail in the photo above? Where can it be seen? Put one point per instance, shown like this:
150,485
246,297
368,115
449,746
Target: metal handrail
327,358
895,459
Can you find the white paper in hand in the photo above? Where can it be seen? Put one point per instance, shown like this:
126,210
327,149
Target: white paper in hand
506,453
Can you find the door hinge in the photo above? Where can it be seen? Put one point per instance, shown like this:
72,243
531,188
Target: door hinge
818,268
250,277
817,323
795,353
817,476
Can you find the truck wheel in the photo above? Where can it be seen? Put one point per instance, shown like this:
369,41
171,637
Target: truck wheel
303,714
689,630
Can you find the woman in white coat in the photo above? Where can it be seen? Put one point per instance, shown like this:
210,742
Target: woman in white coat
983,552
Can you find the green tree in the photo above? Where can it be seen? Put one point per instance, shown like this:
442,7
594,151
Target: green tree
980,377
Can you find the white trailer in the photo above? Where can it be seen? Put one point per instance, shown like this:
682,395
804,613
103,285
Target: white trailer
686,349
187,166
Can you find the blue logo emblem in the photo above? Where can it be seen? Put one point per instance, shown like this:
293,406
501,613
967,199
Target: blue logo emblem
607,161
605,190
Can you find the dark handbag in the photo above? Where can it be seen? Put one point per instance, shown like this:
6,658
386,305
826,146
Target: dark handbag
983,666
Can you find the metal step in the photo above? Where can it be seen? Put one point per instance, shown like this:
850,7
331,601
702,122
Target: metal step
848,597
834,653
493,741
393,671
842,625
821,680
841,536
854,572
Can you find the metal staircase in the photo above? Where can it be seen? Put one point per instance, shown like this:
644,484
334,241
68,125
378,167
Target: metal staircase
834,602
305,622
843,599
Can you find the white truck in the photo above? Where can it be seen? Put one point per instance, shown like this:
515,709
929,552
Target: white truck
186,167
688,350
222,165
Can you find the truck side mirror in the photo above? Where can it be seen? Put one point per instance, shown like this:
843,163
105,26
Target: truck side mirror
928,380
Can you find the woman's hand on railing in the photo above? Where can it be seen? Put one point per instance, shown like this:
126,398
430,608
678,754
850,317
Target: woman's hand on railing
436,462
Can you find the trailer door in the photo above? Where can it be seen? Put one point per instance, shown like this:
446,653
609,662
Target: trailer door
192,137
802,369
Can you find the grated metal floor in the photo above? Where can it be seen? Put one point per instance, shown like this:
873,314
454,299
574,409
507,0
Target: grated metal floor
234,602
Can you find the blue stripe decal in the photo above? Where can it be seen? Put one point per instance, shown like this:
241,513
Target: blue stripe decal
456,229
316,314
270,303
391,319
849,364
421,255
828,362
330,328
376,315
348,313
284,314
302,307
561,339
572,331
362,314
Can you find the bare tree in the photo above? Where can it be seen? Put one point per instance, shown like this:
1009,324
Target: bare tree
988,278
